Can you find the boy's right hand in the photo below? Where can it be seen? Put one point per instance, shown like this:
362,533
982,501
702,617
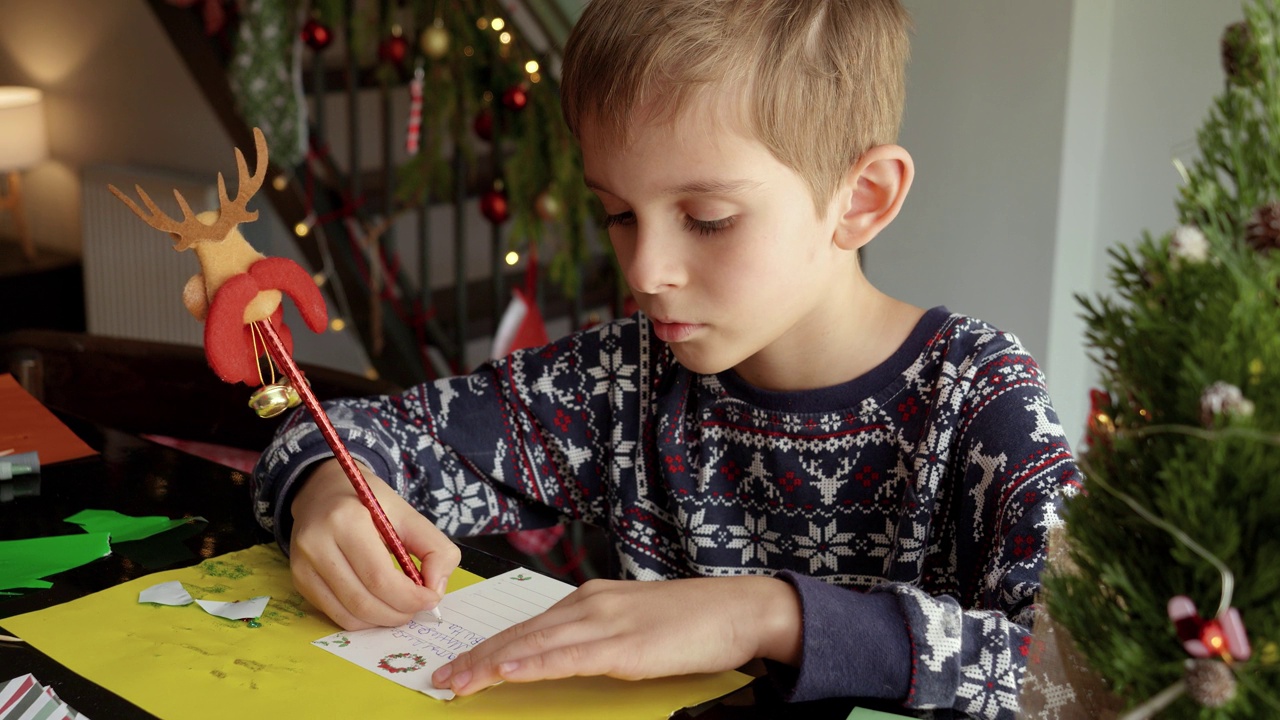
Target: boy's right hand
339,562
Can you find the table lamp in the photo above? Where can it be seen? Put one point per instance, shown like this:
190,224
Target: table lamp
22,144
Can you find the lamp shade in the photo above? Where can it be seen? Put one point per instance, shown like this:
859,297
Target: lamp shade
23,141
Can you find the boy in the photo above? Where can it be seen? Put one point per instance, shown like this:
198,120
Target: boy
856,490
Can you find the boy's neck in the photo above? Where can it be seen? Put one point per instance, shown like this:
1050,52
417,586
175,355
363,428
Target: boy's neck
865,329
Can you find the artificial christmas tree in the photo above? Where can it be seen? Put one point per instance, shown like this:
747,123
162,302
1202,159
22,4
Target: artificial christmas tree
1171,590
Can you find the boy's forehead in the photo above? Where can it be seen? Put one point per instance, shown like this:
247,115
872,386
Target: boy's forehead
707,116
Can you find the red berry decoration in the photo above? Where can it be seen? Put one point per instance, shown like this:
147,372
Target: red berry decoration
393,50
316,35
515,98
494,206
483,124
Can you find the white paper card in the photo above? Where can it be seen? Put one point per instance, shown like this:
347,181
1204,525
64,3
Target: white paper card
169,593
408,654
240,610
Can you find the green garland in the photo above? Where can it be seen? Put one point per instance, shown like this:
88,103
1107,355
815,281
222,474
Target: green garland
536,154
1177,321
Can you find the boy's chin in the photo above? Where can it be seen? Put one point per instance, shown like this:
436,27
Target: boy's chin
699,363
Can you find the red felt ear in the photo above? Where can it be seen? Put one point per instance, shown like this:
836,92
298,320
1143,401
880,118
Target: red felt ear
226,345
288,276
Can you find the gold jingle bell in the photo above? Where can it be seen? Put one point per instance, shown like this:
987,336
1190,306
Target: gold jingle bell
291,393
270,400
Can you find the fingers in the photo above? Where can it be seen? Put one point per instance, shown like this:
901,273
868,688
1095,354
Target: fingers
353,598
439,555
542,648
317,592
338,558
556,644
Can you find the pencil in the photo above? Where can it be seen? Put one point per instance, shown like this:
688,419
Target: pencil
380,521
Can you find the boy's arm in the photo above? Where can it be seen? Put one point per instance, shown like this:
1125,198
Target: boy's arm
513,446
1011,469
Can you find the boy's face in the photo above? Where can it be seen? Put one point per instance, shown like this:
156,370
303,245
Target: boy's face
721,246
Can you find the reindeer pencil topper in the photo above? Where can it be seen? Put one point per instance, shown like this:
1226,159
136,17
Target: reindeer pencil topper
238,294
238,291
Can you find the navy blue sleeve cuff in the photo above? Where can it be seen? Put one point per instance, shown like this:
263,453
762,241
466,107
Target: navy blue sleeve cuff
855,645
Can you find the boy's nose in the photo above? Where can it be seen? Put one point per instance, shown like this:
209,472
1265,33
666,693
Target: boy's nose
654,264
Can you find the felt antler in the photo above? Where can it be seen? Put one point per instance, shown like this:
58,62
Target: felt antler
237,286
192,230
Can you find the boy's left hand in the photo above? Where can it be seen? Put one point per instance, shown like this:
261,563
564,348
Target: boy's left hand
631,630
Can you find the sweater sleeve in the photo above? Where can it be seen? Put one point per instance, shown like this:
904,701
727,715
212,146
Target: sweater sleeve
963,648
515,445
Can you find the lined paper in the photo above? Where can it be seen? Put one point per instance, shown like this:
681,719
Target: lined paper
408,654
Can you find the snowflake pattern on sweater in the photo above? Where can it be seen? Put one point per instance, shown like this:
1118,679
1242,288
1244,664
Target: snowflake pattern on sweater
910,507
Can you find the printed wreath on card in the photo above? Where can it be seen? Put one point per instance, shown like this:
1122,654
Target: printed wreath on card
395,662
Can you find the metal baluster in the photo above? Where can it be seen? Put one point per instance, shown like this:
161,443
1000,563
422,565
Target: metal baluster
353,107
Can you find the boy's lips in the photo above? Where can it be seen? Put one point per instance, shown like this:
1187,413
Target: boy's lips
671,332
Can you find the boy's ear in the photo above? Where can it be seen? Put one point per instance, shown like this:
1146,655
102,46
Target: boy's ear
872,194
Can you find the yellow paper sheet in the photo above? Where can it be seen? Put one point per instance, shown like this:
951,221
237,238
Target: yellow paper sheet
180,662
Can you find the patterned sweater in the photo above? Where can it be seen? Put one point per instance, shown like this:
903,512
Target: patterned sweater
910,507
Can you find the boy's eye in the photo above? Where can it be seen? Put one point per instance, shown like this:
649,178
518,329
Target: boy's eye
708,227
622,218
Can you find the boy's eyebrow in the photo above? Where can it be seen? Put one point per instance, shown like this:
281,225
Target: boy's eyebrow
696,187
713,187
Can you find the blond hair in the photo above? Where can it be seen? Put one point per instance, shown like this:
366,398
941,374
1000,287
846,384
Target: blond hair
822,81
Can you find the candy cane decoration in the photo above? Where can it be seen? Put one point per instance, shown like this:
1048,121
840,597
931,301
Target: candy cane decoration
415,112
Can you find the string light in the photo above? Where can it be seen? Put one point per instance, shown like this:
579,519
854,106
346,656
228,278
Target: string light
497,24
320,279
371,373
280,182
303,228
531,67
468,51
505,38
482,23
513,257
535,77
488,96
337,325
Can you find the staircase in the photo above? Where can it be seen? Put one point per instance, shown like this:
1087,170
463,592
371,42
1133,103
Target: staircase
418,273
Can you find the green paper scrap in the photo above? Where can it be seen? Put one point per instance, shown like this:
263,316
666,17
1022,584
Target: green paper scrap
865,714
125,528
24,562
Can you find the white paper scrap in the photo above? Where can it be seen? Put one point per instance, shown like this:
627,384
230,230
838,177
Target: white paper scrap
239,610
169,593
408,654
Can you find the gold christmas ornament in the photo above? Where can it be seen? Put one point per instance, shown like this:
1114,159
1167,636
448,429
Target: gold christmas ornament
548,206
435,41
271,400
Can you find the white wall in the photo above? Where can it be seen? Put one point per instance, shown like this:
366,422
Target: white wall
1043,133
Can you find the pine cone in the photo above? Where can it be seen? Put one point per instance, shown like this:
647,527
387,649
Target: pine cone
1210,683
1263,231
1239,56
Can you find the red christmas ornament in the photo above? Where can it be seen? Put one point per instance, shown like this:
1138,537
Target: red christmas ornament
483,124
494,206
515,98
316,35
393,50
